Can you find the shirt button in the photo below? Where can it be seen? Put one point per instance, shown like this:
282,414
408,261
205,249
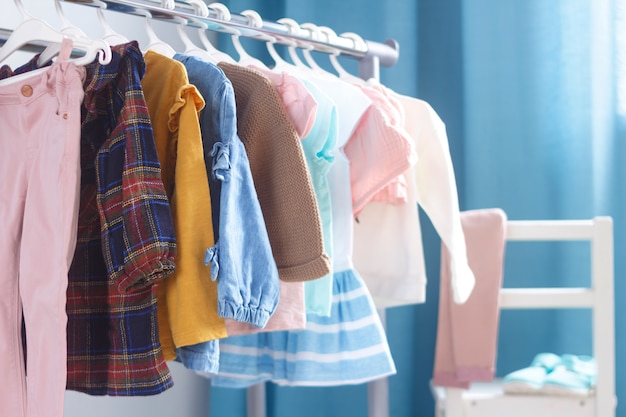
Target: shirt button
27,90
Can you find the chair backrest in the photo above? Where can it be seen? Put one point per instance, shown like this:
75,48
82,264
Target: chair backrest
598,296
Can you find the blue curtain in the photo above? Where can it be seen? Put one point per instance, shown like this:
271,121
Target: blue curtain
533,94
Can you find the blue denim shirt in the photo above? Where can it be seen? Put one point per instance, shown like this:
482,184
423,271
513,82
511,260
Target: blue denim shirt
241,260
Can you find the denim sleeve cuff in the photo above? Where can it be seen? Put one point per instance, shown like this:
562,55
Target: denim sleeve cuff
255,316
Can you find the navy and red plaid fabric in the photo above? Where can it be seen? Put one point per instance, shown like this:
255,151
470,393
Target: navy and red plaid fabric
126,241
135,218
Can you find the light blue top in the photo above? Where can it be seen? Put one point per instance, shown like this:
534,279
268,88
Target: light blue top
318,146
241,260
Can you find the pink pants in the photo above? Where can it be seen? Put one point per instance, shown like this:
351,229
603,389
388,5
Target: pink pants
39,183
467,334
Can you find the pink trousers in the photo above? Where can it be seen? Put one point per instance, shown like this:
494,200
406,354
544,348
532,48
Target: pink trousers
467,333
39,183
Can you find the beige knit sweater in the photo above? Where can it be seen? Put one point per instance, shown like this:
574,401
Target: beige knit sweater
280,175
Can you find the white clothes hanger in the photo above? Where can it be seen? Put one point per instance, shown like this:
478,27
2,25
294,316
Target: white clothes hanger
35,29
280,65
110,36
215,54
255,20
343,74
154,43
279,62
293,28
306,51
67,28
245,59
201,9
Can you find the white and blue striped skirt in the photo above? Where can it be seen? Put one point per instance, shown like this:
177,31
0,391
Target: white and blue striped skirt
349,347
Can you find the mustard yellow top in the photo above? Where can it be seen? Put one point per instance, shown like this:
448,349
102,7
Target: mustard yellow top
187,300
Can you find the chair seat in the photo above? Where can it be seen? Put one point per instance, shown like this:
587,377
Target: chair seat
487,399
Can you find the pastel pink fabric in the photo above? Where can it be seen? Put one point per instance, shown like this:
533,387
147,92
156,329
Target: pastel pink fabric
290,313
379,149
40,167
395,192
299,103
467,333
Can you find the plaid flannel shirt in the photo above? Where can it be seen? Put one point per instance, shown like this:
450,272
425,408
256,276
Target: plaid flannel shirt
126,241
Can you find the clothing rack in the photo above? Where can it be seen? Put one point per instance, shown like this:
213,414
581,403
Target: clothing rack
370,55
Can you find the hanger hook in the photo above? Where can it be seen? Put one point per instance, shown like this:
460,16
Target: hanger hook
171,5
255,20
22,10
153,40
223,13
253,17
331,36
314,32
293,29
64,21
66,26
356,39
316,35
190,48
200,8
292,26
110,36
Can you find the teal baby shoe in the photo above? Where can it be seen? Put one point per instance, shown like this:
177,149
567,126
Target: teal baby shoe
574,376
530,380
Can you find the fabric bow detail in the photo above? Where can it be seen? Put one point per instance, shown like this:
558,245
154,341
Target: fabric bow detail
221,161
210,257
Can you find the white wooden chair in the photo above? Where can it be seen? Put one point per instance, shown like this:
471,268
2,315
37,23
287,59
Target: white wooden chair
488,399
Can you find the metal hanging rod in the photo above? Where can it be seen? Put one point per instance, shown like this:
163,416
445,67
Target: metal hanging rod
369,54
